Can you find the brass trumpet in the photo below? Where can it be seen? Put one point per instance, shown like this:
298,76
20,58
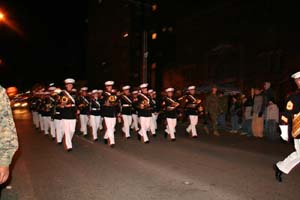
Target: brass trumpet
296,126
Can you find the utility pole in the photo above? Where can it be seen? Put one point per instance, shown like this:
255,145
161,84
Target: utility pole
145,57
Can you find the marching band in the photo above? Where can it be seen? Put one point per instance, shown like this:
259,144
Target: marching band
62,112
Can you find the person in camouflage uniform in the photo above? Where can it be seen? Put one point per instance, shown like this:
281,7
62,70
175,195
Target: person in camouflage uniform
212,108
8,136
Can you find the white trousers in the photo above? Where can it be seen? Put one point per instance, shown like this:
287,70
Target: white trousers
41,121
110,123
135,122
193,123
69,130
35,119
127,120
153,124
171,125
145,126
95,123
83,123
49,124
292,160
59,130
101,123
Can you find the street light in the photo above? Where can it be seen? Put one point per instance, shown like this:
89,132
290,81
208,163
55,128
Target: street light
2,16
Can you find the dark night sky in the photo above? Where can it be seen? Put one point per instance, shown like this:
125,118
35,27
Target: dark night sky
52,46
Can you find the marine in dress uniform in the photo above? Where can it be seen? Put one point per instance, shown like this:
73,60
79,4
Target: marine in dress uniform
153,124
49,105
56,116
68,112
290,129
170,106
100,96
95,113
33,108
135,118
126,110
109,112
192,104
83,106
144,112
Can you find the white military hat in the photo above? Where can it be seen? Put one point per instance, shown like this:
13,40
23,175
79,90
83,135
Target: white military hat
52,88
47,92
84,89
296,75
144,85
192,87
100,91
170,89
107,83
69,80
94,91
134,92
74,90
150,91
126,87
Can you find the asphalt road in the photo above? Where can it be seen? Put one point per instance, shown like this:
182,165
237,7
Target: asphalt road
227,167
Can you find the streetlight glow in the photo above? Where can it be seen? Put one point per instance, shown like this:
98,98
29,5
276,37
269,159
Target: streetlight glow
2,16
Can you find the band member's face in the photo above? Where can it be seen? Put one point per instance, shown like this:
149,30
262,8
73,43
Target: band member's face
170,94
109,88
84,93
297,81
214,90
95,95
144,90
99,94
192,92
126,92
69,87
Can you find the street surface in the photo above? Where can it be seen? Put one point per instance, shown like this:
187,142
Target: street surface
229,167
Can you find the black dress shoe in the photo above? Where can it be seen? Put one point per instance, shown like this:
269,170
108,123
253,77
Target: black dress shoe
154,135
195,136
147,142
68,150
139,137
59,143
278,173
173,140
128,137
112,146
166,135
95,140
105,141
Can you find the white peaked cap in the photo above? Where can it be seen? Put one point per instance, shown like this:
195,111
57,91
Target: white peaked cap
74,90
192,87
107,83
94,91
296,75
126,87
134,92
52,88
69,80
150,91
100,91
144,85
170,90
84,89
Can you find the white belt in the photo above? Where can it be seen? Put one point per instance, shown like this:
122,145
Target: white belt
57,112
126,105
95,108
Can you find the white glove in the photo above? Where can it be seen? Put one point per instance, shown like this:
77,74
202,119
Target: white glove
284,132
